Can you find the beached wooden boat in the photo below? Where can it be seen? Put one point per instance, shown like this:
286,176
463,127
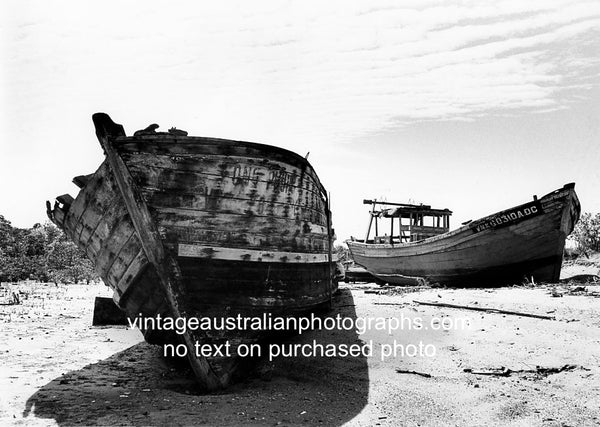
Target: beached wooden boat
185,227
525,242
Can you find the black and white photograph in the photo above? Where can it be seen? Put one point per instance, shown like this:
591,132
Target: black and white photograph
284,213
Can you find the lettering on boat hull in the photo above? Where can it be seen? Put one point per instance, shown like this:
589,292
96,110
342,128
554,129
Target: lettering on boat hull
508,217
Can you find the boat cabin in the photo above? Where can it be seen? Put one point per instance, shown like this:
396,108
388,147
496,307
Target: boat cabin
395,223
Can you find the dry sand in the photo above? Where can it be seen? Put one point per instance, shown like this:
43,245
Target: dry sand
57,369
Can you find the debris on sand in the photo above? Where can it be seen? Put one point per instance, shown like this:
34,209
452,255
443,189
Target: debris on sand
574,291
507,372
581,278
13,299
405,371
486,309
396,290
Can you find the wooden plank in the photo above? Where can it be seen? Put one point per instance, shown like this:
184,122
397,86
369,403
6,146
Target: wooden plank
142,291
97,225
238,223
95,197
308,243
248,255
239,169
166,268
195,146
132,272
111,247
123,261
235,205
149,179
80,203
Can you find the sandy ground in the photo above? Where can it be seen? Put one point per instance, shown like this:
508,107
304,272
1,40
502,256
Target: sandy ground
57,369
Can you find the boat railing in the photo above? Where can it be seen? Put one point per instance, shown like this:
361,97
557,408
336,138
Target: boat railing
405,222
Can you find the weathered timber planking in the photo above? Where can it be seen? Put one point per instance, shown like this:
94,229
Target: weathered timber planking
515,273
166,269
499,240
110,250
249,255
506,250
140,291
239,169
96,201
135,267
174,217
126,257
107,223
149,179
424,266
251,241
173,235
94,193
164,145
235,205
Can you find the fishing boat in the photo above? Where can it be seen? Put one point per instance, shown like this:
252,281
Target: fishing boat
194,227
525,242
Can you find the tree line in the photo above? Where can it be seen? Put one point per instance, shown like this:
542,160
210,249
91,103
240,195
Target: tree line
586,234
42,253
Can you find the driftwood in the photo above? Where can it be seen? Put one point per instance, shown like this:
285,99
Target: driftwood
405,371
390,303
485,309
506,372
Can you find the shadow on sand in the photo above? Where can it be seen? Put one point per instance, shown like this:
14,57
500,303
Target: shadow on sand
139,387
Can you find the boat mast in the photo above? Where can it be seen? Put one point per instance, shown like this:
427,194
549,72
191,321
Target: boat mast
366,202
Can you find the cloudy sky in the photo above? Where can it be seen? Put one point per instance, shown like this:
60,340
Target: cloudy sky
475,106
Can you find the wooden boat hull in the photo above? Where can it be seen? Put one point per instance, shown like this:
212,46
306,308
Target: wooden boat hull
244,229
358,274
522,243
